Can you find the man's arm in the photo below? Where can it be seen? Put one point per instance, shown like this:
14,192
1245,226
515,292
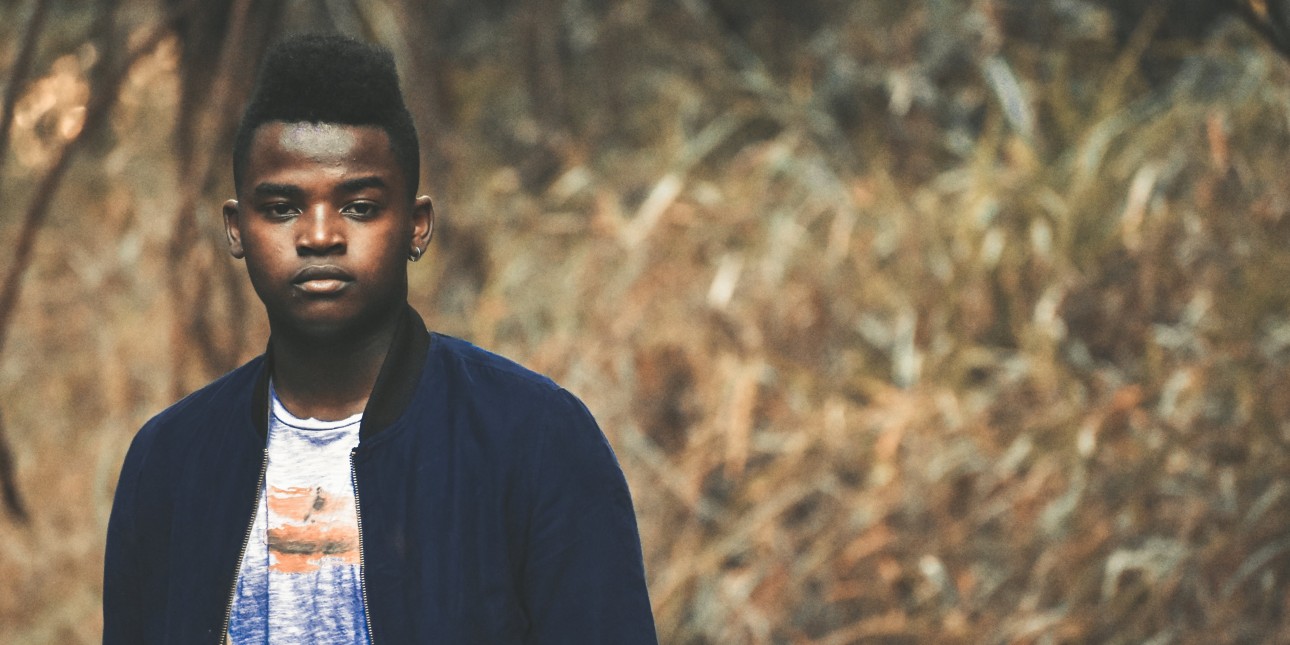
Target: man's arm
122,613
583,577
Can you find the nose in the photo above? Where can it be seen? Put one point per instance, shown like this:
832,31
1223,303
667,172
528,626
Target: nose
319,231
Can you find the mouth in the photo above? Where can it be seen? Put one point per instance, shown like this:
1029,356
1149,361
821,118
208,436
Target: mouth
322,279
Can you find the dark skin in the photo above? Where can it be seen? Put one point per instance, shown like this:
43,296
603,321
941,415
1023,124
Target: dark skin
326,225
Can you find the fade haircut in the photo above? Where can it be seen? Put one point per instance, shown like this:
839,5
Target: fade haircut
329,78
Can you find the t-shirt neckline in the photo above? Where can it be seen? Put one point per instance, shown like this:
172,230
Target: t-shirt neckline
284,416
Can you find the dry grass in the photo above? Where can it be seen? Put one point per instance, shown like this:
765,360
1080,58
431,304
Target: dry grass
938,325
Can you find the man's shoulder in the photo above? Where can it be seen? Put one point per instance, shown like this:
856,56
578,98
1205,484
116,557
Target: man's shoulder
214,400
526,410
178,429
480,378
484,370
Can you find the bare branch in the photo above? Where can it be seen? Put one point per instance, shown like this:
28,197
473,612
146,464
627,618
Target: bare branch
1270,19
197,170
95,116
8,482
17,80
106,90
18,74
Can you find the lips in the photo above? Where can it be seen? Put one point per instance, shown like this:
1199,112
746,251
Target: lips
322,279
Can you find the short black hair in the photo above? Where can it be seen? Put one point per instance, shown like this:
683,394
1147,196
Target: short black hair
330,78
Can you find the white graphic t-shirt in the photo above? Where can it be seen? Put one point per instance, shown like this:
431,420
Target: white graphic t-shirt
299,581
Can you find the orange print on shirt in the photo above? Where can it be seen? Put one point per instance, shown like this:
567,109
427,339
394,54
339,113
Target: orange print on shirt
310,528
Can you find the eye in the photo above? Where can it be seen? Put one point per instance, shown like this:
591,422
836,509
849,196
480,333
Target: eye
281,210
361,210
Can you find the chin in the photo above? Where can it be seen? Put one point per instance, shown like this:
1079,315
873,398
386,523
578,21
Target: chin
332,325
322,327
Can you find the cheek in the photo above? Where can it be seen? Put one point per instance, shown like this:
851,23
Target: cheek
393,265
268,245
261,275
264,260
390,248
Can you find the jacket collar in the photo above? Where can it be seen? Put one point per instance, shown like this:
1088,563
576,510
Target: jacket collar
395,383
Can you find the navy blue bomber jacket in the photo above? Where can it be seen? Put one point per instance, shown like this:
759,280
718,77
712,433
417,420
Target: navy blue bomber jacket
491,508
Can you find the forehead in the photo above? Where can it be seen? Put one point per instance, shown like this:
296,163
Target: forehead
306,153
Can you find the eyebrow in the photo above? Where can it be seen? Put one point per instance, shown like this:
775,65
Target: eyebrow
360,183
291,191
268,189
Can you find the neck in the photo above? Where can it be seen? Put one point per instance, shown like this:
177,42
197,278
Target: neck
328,379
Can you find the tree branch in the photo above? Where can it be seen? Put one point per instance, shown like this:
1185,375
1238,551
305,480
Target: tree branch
104,96
212,119
1268,20
18,74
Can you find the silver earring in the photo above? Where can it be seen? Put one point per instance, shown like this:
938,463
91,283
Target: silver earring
416,253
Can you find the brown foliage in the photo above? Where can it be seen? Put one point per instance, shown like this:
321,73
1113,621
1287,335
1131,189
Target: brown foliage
909,322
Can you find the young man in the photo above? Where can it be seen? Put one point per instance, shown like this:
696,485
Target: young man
363,481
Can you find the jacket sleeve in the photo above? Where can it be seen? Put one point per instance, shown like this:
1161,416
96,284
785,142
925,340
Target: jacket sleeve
122,613
583,574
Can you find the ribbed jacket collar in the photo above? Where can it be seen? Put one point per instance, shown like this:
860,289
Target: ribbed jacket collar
395,383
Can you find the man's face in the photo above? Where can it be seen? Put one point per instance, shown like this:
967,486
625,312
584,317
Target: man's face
325,226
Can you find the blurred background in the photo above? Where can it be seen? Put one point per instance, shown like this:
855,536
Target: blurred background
953,321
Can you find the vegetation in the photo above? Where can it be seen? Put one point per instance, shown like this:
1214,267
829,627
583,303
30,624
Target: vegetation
909,322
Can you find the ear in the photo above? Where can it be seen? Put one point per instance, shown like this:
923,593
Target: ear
233,229
422,222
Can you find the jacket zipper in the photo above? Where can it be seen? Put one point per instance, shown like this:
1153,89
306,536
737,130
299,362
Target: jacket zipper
246,542
362,567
